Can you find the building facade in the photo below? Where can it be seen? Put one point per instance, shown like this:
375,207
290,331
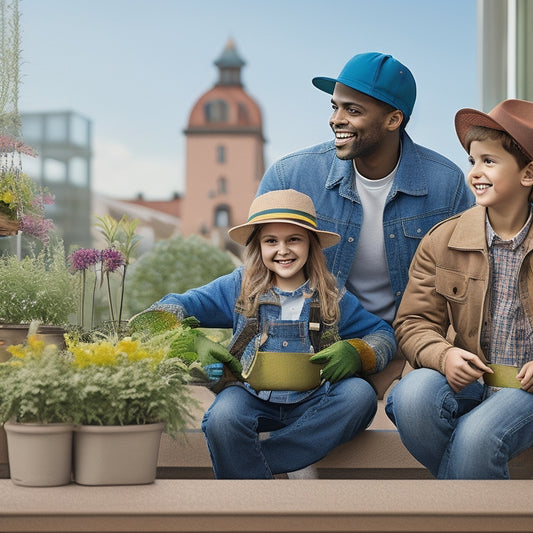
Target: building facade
224,151
63,141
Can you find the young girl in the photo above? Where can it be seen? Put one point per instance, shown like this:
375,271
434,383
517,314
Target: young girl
283,299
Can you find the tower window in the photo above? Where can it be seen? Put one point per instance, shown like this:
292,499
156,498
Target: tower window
222,186
216,111
222,216
221,154
242,113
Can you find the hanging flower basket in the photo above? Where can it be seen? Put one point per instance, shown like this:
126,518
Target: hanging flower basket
8,226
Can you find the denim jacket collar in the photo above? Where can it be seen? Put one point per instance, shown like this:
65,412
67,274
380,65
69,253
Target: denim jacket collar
410,178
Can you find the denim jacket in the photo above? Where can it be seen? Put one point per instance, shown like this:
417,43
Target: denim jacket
214,306
427,188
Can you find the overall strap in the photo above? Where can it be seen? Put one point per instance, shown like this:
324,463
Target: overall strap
247,333
320,335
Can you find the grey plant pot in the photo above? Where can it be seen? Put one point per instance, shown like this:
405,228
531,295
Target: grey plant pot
116,455
40,455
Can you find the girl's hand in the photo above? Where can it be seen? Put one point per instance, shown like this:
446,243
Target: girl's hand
526,377
462,368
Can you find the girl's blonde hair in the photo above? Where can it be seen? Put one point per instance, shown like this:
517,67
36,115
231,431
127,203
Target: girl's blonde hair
257,279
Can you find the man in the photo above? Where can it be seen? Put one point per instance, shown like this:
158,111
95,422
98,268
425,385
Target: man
372,184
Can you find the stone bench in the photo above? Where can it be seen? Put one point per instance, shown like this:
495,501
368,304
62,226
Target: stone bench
377,453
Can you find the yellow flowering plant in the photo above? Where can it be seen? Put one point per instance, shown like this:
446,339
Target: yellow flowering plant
37,384
104,381
127,381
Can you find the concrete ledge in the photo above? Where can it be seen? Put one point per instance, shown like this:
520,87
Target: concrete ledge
278,505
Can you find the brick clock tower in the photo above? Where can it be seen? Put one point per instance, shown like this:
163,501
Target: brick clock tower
224,139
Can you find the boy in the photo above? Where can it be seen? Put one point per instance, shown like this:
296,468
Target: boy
467,408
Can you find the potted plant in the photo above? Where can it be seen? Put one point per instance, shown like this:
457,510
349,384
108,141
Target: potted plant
38,287
129,392
38,410
117,396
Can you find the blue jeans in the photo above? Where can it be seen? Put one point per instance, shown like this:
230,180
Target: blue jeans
463,435
299,434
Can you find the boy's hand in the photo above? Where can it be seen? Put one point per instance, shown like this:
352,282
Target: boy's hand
463,368
525,376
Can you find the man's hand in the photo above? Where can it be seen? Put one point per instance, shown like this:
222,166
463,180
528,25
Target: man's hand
462,368
342,360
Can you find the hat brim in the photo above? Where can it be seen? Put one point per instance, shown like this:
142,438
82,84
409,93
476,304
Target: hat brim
324,84
240,234
465,119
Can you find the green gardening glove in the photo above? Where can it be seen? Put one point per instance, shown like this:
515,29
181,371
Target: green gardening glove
342,360
208,351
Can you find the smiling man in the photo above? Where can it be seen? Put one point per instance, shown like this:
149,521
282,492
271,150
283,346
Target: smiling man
372,184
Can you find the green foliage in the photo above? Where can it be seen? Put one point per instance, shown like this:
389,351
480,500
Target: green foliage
120,234
174,265
17,193
40,388
134,392
99,382
37,287
10,121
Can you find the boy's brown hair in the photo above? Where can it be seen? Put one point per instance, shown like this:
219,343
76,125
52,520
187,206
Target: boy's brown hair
481,133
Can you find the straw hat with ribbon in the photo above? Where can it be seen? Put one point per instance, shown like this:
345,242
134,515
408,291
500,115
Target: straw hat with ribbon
287,206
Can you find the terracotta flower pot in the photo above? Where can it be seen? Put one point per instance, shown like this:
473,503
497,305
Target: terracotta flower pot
40,455
116,455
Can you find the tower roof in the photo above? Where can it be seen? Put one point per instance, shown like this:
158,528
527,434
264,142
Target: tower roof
226,107
230,57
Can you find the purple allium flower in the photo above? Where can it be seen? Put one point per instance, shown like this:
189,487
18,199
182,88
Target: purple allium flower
111,259
37,227
83,258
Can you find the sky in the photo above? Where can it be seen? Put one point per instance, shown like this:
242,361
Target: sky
135,68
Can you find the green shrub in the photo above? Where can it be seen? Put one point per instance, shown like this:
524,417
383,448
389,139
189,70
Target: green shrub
37,287
174,265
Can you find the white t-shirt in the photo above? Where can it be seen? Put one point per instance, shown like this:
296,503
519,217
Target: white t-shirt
369,276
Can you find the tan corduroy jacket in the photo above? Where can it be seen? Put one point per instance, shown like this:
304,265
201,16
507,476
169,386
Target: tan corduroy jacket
448,286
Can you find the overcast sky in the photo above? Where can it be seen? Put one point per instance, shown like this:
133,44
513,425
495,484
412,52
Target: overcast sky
135,68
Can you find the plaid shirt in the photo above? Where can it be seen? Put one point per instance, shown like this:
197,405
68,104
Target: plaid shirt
507,336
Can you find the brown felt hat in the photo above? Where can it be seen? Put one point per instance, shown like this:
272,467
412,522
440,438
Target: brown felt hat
288,206
512,116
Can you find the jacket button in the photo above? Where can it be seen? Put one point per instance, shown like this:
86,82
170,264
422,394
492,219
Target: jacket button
454,290
284,344
392,236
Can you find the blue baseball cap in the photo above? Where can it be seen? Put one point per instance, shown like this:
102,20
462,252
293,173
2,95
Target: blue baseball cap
379,76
